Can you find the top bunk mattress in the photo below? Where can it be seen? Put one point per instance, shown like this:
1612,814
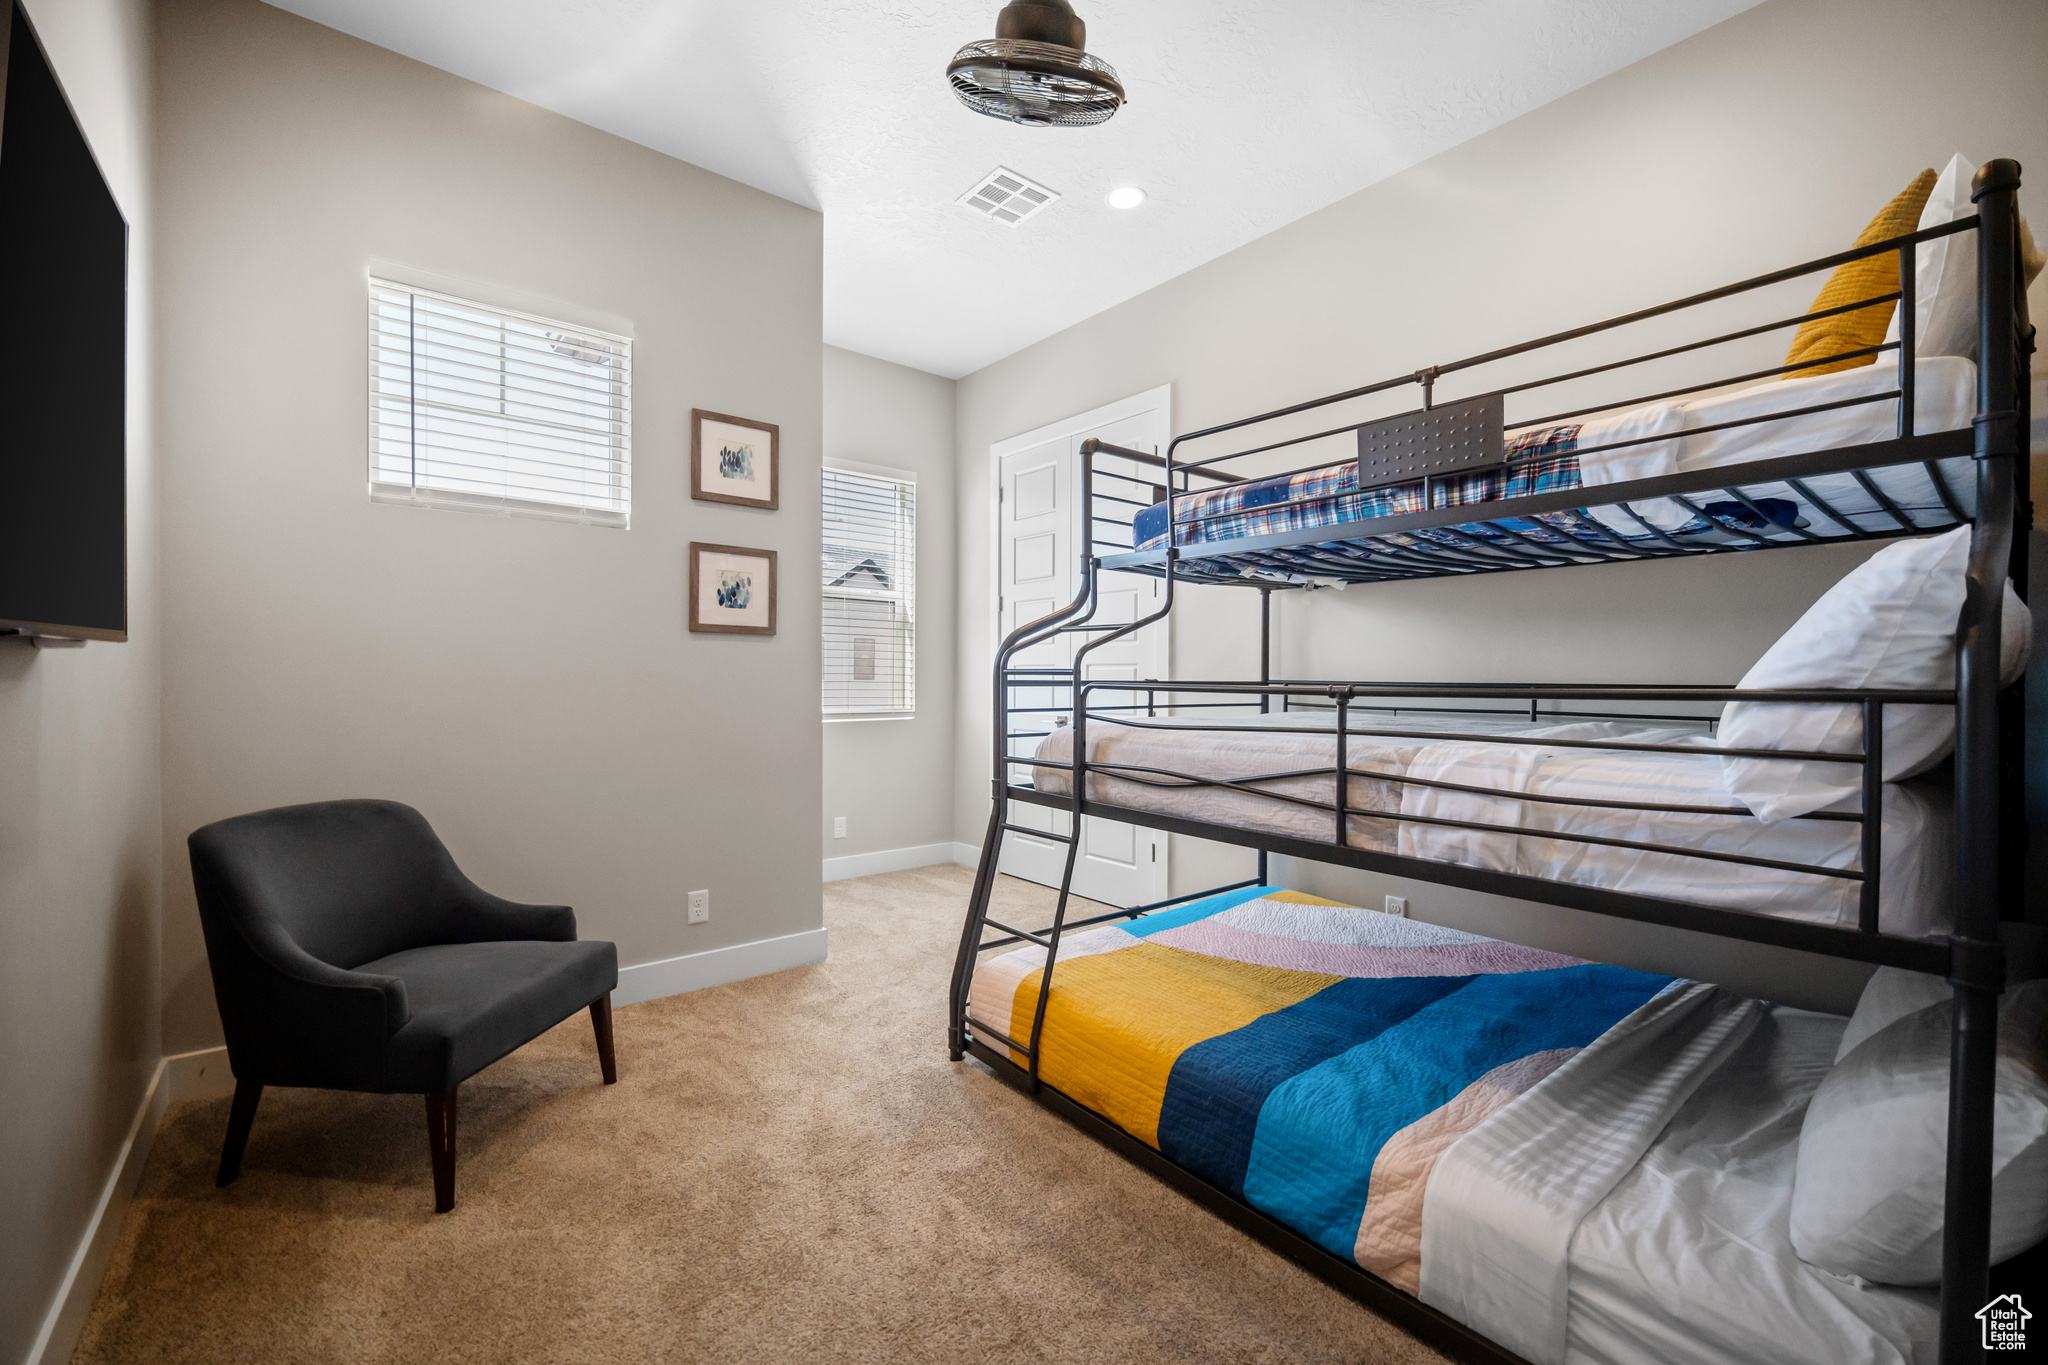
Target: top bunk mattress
1598,452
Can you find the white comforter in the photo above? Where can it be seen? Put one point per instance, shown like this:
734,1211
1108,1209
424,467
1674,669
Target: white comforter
1689,1260
1913,887
1505,1200
1633,1208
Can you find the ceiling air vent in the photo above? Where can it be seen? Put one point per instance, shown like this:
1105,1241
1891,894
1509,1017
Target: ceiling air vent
1008,197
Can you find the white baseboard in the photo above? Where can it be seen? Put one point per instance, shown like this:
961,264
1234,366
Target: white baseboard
66,1316
900,860
716,966
201,1075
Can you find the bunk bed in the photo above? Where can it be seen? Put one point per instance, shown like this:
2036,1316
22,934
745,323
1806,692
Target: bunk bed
1616,1073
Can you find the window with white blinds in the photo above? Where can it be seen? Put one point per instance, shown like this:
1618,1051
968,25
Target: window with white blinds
870,591
493,410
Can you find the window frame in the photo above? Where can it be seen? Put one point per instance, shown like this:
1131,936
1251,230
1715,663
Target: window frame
382,281
907,596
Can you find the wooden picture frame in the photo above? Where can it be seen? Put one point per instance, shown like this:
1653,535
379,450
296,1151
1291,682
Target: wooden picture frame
718,571
734,443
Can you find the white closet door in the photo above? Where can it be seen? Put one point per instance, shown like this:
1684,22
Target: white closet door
1039,532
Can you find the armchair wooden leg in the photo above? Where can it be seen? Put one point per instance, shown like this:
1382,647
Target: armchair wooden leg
247,1093
441,1143
601,1021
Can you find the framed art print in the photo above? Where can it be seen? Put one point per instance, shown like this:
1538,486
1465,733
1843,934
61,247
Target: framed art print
732,590
733,459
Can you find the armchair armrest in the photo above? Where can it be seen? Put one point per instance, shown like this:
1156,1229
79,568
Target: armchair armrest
476,916
292,1019
325,996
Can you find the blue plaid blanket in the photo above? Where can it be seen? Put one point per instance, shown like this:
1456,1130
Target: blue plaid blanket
1539,461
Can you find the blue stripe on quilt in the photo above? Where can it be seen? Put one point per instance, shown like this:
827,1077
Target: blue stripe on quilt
1217,1088
1320,1131
1173,917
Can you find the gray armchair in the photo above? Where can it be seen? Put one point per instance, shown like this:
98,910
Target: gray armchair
350,953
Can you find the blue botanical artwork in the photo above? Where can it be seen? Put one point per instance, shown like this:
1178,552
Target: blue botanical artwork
736,461
735,589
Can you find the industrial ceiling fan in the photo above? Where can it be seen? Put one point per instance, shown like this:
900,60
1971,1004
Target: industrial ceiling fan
1036,71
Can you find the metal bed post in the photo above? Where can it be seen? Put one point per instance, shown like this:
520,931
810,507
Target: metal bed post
1870,859
1266,676
1977,961
1909,379
977,910
1265,647
1343,775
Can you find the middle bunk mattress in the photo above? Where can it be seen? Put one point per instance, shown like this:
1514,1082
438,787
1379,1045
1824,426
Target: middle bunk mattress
1510,796
1377,1084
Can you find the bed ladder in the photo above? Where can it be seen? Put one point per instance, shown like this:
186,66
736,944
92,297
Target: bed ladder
978,919
1048,938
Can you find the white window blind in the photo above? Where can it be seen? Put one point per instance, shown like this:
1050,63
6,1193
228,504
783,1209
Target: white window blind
493,410
870,592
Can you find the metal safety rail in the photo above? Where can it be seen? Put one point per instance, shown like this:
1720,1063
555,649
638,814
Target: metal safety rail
1989,753
1395,550
1863,943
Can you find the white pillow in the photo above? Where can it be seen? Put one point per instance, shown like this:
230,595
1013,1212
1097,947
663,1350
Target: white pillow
1868,1183
1945,270
1890,622
1889,996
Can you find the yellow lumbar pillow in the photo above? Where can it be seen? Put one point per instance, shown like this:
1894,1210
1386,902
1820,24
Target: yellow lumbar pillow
1867,278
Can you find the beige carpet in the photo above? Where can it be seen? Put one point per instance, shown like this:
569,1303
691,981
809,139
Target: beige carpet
788,1169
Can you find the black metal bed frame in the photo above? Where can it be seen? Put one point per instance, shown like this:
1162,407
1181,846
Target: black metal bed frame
1471,538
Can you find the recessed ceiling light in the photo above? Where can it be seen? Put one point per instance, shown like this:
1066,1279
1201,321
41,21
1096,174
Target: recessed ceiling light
1126,197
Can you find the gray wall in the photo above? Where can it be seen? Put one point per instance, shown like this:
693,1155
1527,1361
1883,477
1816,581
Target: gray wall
529,685
1769,139
80,818
893,779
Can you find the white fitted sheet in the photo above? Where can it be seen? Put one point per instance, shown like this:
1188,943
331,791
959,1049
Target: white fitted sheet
1945,399
1689,1260
1913,886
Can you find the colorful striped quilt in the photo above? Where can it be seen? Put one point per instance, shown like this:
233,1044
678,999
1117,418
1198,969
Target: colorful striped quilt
1311,1058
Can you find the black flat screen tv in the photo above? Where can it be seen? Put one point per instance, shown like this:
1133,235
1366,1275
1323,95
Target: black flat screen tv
63,362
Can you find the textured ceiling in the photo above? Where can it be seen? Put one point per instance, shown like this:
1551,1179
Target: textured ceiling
1244,115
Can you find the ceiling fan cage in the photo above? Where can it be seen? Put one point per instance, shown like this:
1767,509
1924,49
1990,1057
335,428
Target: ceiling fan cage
1036,84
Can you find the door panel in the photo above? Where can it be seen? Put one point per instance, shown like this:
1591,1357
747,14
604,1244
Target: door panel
1037,491
1111,842
1034,557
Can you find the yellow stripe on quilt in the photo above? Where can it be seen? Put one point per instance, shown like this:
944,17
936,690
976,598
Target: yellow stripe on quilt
1304,898
1118,1021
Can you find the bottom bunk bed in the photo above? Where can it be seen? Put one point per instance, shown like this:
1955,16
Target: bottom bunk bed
1579,1163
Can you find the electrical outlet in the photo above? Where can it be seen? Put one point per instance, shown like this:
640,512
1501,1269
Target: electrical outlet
1398,905
700,906
839,827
